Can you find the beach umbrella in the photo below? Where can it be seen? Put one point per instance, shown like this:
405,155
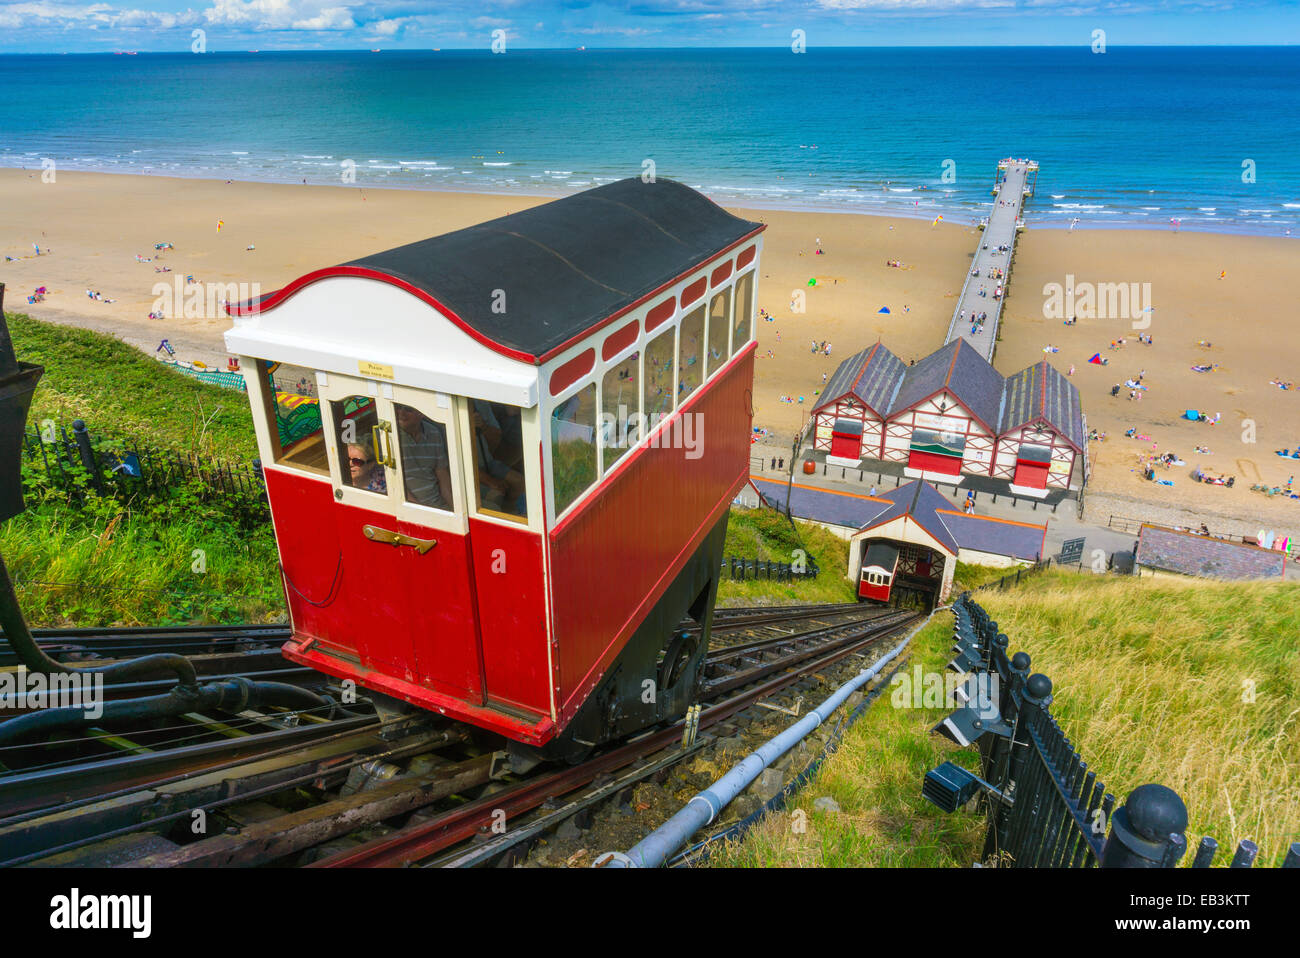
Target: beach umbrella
813,281
883,309
1096,358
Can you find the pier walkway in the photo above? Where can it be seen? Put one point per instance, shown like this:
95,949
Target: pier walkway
996,245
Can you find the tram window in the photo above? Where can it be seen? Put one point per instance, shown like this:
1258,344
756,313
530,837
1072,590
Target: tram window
426,465
293,416
620,410
573,447
355,420
744,305
498,456
658,378
719,307
690,353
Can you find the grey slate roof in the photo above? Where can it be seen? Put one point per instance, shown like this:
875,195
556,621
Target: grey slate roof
820,505
1190,554
959,368
918,499
1043,391
871,375
1000,538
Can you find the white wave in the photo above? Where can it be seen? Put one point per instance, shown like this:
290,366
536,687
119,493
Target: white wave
487,163
239,153
1207,209
1058,196
1291,206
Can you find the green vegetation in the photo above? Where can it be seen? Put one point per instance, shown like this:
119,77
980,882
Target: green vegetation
1190,683
875,778
110,561
767,535
120,391
968,577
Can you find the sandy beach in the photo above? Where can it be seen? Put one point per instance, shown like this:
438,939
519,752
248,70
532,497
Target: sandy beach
98,224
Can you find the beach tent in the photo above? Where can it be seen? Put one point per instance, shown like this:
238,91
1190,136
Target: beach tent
883,309
1192,414
1096,358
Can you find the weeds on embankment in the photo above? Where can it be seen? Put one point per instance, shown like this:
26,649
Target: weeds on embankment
120,391
767,535
1190,683
174,559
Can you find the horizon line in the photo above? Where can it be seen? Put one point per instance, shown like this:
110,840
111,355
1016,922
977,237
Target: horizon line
481,48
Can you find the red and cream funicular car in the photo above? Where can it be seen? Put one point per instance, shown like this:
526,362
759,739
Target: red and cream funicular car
499,461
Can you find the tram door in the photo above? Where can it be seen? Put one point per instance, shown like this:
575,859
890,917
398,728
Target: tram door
399,511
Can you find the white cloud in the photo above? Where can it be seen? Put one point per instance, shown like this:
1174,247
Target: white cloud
92,16
331,18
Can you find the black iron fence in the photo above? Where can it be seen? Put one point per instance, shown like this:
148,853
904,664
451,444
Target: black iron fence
73,462
740,569
1012,579
1046,808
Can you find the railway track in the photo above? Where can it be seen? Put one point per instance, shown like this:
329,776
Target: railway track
292,787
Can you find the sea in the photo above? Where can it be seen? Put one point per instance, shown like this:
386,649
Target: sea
1195,138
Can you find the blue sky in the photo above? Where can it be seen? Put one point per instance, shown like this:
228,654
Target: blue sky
46,26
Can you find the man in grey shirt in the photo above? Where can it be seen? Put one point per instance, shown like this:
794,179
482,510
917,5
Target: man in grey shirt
426,468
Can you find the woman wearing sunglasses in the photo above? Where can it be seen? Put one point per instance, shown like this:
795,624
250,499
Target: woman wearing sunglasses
365,472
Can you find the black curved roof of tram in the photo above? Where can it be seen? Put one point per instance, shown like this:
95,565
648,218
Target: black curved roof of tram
566,265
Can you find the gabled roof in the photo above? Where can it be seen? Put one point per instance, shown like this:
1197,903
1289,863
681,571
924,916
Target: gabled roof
1192,554
959,368
563,267
920,501
1041,391
871,375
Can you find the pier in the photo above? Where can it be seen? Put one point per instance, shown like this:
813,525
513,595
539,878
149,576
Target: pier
1015,181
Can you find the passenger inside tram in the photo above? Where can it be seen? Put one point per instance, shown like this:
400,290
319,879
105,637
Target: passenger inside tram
426,467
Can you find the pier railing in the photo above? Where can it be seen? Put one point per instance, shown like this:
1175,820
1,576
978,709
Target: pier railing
1046,808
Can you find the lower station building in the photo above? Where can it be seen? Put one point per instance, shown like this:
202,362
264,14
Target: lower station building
953,415
904,544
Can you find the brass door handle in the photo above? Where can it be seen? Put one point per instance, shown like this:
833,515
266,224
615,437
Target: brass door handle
376,534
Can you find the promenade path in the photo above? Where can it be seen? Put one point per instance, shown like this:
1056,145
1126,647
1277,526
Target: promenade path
996,244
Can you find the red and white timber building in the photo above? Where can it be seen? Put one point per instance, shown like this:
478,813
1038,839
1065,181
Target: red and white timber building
952,415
